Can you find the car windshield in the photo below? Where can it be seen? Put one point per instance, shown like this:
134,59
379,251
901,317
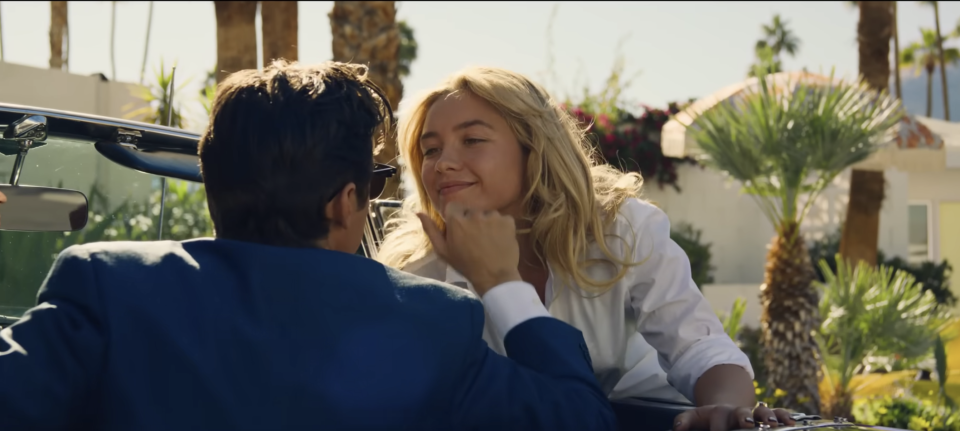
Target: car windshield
124,206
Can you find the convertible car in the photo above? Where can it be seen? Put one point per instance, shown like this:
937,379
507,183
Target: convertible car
76,178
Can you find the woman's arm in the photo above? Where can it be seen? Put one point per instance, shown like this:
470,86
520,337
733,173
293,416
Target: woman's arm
674,317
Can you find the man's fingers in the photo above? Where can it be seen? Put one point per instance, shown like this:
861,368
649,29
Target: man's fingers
784,417
692,420
742,418
764,414
682,422
723,418
433,232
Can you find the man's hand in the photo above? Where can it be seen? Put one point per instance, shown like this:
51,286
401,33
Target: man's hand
720,417
481,245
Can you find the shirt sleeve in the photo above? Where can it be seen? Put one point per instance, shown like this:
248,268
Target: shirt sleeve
673,316
512,303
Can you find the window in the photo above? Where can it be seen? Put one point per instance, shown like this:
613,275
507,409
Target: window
124,205
918,235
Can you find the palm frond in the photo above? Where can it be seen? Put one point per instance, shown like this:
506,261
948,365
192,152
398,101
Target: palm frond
782,140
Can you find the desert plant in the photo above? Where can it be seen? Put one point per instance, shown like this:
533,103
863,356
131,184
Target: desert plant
870,311
688,238
782,141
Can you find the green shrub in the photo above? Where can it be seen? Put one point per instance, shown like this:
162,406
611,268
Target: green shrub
688,238
935,277
906,412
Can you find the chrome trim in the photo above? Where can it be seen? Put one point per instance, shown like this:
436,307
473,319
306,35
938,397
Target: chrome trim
24,131
99,120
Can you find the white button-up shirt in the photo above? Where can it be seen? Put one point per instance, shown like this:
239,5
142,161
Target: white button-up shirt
656,307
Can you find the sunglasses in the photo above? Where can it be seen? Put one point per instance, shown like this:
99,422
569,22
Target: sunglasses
379,179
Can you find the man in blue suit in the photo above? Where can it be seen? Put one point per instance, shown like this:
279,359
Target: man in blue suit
276,324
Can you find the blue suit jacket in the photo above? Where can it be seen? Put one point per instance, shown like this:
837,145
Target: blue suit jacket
225,335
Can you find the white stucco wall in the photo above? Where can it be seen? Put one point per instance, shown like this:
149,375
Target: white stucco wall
740,234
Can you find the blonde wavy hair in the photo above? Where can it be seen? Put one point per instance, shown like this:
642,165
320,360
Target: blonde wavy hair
571,196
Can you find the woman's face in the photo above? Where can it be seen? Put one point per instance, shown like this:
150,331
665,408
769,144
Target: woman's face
471,156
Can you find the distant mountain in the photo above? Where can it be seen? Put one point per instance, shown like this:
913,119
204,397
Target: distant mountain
914,90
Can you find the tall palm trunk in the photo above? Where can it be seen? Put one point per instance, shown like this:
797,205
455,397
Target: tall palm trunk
930,67
1,32
279,28
146,43
943,63
58,29
790,318
896,51
366,32
113,40
236,36
861,229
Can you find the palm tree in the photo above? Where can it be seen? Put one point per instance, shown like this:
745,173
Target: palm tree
113,40
896,51
861,229
765,60
58,30
942,55
924,55
279,26
781,143
146,43
870,311
157,98
1,33
236,36
367,32
779,38
408,48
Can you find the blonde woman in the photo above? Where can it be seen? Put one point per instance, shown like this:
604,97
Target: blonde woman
493,140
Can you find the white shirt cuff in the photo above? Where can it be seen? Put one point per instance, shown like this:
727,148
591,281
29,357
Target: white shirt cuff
512,303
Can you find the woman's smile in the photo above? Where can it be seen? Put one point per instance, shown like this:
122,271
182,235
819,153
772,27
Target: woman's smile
447,189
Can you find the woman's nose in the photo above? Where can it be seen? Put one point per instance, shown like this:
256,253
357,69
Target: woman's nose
448,161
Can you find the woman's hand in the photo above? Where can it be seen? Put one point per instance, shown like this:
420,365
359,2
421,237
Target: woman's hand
721,417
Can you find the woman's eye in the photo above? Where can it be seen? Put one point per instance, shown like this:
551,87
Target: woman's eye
429,151
471,141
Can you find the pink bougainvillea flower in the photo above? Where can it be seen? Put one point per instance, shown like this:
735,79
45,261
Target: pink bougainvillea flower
604,121
609,138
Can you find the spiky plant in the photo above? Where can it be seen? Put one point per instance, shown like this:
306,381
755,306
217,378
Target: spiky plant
784,138
870,311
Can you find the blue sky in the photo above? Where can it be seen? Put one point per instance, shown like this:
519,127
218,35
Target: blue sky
680,49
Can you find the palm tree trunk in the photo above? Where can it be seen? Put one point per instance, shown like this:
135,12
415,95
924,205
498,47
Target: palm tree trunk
113,40
861,228
146,43
896,52
789,319
943,64
1,32
366,32
58,25
279,26
930,70
236,36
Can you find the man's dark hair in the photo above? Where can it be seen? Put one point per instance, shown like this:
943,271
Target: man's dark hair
283,142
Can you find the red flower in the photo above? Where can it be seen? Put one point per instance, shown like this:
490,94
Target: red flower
604,121
609,138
